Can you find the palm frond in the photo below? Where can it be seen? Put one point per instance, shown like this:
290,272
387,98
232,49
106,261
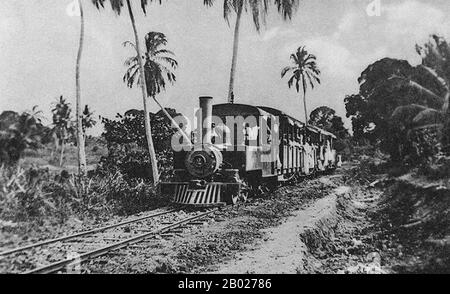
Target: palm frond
428,116
291,81
117,5
129,43
444,84
259,9
405,114
305,70
131,61
158,65
430,126
171,61
286,70
163,51
208,3
287,8
429,95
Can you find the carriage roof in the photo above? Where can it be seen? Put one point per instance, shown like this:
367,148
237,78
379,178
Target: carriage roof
228,109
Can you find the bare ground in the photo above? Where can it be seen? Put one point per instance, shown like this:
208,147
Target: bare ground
282,251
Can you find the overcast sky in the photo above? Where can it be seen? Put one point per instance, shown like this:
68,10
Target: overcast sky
39,42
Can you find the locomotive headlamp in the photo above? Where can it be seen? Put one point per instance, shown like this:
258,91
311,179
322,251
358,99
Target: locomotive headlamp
204,162
199,161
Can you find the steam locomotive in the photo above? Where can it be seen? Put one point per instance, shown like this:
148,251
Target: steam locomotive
239,150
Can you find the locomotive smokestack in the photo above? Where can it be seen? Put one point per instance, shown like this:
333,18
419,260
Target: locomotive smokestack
206,112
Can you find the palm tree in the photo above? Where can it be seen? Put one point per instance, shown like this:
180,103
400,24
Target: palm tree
62,124
79,112
304,71
434,114
88,120
117,6
259,10
158,66
431,80
18,132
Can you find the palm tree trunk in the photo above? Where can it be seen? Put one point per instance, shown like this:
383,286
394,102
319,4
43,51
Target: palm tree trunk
306,110
54,151
235,54
446,130
148,129
79,111
61,156
445,107
174,123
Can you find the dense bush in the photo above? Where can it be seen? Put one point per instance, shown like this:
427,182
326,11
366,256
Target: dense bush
127,144
396,98
19,132
37,196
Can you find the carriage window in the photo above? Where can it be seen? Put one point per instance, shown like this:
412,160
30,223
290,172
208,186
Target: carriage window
247,134
265,139
285,134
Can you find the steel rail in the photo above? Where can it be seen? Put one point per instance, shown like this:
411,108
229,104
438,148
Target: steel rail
64,238
51,268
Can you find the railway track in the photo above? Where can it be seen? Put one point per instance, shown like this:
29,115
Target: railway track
55,255
80,234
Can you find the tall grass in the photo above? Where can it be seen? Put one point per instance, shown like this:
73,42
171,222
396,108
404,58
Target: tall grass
39,196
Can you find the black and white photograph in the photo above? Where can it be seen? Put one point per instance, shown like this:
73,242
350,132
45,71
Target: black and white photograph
240,139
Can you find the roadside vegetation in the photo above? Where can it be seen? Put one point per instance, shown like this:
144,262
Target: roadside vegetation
39,184
403,110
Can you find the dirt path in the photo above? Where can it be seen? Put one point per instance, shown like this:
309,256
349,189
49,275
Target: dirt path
283,252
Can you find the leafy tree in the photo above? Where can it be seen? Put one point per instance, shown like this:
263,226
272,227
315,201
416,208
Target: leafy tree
258,10
321,117
18,132
126,141
303,72
326,118
396,99
372,108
